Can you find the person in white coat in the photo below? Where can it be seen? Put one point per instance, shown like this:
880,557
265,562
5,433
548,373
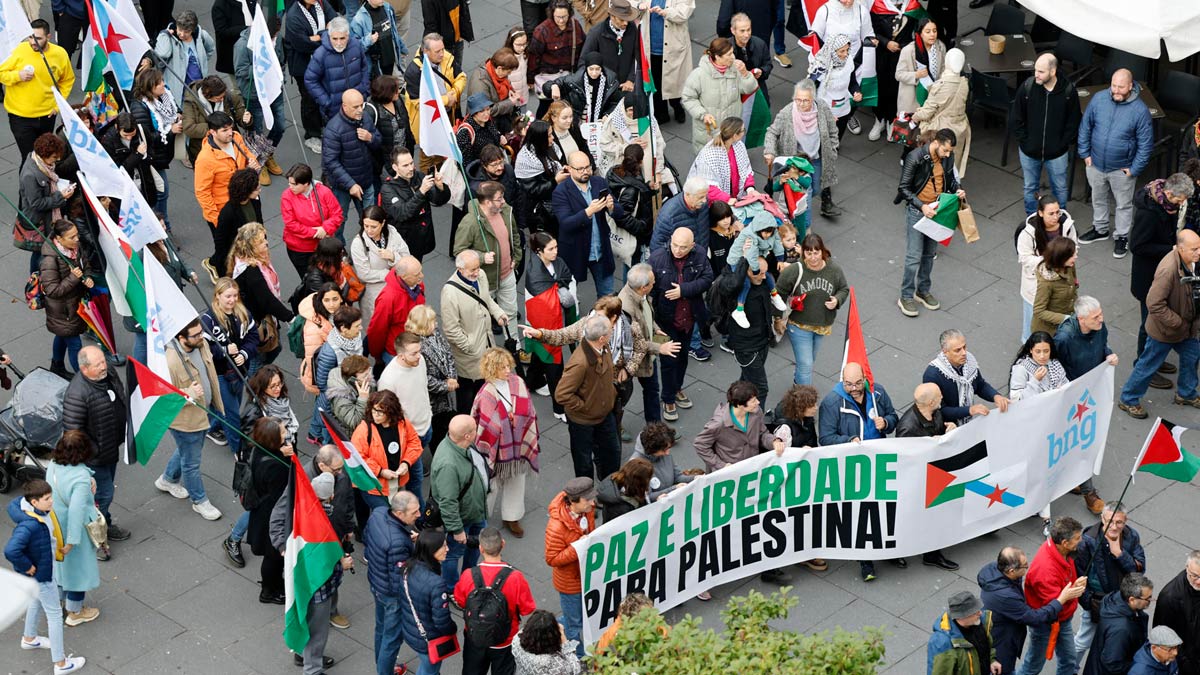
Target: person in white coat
373,253
832,70
851,18
918,67
1049,222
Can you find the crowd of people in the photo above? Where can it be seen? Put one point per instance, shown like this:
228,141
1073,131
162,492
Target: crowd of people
439,400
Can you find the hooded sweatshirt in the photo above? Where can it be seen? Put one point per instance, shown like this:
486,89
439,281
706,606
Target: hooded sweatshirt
1045,122
1120,633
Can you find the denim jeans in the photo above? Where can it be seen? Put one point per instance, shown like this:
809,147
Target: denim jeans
674,368
1035,650
184,465
344,200
1152,357
66,349
242,524
1087,631
651,406
780,20
139,347
277,111
388,636
1141,338
804,348
602,279
457,551
424,667
316,427
1026,319
47,603
231,399
595,445
105,475
1056,171
161,204
1120,188
73,600
918,257
572,618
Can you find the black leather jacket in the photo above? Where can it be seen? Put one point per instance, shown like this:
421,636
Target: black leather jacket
918,167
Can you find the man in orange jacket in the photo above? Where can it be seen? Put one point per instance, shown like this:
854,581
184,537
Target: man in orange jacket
572,515
222,153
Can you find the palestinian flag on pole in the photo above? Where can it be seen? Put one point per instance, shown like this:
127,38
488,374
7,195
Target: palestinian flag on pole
910,8
643,116
856,347
311,552
356,468
544,311
153,405
756,115
1164,455
941,227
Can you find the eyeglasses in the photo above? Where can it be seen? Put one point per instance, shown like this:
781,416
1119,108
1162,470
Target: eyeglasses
857,384
194,336
585,167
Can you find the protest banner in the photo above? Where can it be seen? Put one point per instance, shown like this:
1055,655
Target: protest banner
880,499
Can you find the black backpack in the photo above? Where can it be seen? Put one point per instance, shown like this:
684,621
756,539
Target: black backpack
486,612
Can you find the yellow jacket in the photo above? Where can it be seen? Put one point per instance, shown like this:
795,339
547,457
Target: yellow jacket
33,98
458,83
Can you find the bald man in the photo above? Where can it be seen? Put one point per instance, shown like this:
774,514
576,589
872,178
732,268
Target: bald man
348,146
682,275
1045,120
924,418
1173,323
459,486
582,207
403,289
1115,140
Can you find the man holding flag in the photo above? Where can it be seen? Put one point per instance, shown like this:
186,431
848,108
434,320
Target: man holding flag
30,75
928,173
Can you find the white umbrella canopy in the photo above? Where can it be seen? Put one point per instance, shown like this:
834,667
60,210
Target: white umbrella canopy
1135,26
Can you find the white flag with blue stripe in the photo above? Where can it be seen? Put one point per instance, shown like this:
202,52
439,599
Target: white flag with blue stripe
268,75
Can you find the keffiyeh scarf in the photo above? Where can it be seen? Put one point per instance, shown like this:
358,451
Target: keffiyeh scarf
712,164
827,60
965,382
163,112
1056,376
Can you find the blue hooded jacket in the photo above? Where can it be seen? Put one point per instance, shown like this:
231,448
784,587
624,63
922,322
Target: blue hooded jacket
431,603
30,544
388,543
840,421
1117,135
1010,613
329,73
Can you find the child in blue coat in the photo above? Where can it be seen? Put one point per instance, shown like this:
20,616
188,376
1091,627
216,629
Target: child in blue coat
759,239
34,549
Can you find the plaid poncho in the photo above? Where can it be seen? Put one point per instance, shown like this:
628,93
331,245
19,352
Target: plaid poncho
508,431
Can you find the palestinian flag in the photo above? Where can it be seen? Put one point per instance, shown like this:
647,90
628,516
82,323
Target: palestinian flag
800,23
944,478
643,116
98,95
942,225
153,405
356,468
1164,455
912,8
544,311
756,115
308,559
856,347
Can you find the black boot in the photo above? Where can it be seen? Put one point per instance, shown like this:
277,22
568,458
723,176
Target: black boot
60,369
828,208
680,113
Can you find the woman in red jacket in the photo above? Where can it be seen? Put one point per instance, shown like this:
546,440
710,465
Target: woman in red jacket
390,446
310,213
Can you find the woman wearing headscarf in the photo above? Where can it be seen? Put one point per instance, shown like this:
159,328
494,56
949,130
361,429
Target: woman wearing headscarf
851,18
832,70
714,90
894,30
592,91
920,64
807,125
946,108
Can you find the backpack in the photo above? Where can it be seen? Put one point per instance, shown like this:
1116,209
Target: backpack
296,336
485,614
33,292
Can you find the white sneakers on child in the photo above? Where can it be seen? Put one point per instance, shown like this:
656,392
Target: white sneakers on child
739,317
778,302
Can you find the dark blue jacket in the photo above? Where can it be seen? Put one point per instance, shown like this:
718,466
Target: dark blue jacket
1117,135
840,421
346,160
697,277
30,544
329,73
1079,352
1120,633
388,543
675,214
951,412
575,228
75,8
1010,613
1106,573
1144,663
432,604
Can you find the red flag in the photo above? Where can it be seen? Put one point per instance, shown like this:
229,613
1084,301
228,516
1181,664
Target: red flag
856,347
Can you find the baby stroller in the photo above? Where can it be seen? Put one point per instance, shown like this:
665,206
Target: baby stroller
30,426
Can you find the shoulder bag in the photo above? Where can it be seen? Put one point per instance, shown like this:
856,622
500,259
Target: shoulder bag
440,648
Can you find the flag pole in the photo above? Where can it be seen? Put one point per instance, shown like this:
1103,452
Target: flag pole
1104,535
288,101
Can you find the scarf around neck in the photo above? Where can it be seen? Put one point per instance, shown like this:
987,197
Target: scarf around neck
964,382
502,85
343,346
930,57
315,16
720,69
827,60
1158,192
265,268
1056,375
55,213
805,128
593,91
163,113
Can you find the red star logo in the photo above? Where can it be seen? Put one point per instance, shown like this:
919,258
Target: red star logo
437,109
997,496
112,41
1080,408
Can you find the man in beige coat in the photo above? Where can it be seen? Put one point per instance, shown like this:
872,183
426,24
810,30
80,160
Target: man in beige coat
467,314
190,366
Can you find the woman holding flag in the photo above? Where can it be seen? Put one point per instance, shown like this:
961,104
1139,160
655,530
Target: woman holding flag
66,281
919,65
550,303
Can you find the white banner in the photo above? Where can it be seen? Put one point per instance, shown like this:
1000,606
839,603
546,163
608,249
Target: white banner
881,499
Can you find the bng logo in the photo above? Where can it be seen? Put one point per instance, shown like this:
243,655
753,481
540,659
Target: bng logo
1080,432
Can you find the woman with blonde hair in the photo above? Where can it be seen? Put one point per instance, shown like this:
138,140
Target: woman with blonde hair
233,339
441,375
565,136
249,263
508,434
724,162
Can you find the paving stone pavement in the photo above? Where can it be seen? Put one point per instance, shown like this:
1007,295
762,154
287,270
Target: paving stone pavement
170,602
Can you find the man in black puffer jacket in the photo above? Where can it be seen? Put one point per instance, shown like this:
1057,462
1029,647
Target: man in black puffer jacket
94,403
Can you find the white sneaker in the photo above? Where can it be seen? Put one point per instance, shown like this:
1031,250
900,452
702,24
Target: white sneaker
39,642
778,303
853,126
739,317
206,510
543,390
561,417
876,131
72,664
313,144
174,489
888,128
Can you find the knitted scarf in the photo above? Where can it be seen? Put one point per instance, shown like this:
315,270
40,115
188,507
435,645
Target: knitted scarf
965,382
281,409
343,346
1056,376
502,85
55,214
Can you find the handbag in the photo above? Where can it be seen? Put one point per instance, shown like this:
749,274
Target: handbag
268,335
623,243
542,79
26,235
97,530
440,648
966,222
354,286
905,131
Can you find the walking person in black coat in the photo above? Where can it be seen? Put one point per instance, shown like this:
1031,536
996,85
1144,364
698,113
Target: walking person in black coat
408,197
270,469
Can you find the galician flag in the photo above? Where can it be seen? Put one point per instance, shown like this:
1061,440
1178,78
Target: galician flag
308,559
14,27
153,405
98,96
356,468
856,347
942,225
1164,455
268,75
434,133
121,36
